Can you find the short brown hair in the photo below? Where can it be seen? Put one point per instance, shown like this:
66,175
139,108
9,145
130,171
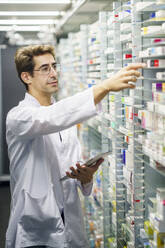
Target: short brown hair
24,58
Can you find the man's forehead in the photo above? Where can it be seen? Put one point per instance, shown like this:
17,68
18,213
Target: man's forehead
44,59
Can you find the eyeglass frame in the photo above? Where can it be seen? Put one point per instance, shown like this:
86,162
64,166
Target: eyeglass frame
50,67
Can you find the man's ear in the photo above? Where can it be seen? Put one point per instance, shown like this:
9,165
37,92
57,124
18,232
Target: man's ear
26,77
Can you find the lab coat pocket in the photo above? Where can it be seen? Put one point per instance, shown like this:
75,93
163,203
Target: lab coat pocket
41,216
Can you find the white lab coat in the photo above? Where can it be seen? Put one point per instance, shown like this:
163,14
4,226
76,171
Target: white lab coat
38,159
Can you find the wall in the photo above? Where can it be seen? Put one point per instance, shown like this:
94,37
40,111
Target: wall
12,92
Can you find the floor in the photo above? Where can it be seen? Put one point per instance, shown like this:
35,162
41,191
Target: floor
4,211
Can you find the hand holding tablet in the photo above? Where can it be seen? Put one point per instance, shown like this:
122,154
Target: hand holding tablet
92,161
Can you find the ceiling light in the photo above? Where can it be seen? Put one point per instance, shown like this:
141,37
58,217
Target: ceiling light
31,13
21,28
35,1
28,22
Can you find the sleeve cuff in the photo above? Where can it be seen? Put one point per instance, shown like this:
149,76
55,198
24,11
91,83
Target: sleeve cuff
99,108
85,188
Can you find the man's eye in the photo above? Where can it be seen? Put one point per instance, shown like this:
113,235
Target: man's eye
45,69
54,66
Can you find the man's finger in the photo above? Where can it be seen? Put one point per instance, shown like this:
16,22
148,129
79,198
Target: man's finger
132,73
74,172
130,79
135,66
70,175
128,86
81,168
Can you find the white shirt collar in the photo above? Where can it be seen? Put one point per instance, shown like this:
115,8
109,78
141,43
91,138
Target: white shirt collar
34,101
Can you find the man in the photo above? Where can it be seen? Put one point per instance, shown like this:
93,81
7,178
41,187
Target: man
42,145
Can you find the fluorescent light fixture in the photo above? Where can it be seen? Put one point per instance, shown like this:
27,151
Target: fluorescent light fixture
28,22
35,1
31,13
21,28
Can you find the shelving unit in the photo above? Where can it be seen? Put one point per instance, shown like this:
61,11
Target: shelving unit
131,125
150,129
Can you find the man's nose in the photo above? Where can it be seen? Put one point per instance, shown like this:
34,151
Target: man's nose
53,71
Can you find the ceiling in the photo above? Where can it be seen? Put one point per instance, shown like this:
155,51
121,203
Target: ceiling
86,13
25,21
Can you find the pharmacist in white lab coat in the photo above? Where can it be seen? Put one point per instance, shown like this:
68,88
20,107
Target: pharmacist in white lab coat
43,147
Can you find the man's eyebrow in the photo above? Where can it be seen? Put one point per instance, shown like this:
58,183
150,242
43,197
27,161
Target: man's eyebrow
47,64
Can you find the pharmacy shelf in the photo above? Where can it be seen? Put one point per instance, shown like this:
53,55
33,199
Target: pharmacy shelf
154,68
153,21
149,6
160,34
119,202
153,56
154,79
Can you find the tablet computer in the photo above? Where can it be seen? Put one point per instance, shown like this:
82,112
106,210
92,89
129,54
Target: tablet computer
92,161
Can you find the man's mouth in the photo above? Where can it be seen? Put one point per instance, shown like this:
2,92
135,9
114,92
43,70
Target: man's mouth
53,83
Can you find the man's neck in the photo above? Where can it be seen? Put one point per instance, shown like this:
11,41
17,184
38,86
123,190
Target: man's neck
43,99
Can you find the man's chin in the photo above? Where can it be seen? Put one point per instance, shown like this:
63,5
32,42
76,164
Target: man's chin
54,89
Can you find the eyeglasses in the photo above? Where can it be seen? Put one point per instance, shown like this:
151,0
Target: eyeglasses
46,69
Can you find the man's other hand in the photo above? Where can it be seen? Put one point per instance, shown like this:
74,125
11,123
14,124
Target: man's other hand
83,173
